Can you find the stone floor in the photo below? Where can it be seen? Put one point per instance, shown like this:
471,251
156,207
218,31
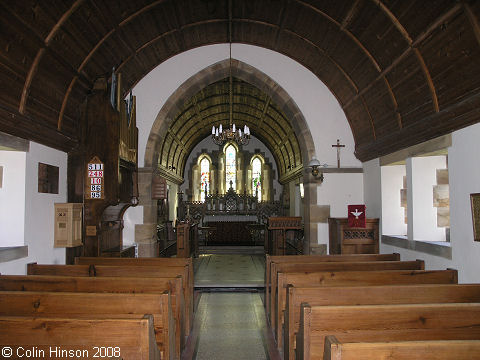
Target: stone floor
230,321
231,327
222,270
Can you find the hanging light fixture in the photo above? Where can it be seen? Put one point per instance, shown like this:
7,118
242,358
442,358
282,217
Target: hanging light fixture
220,135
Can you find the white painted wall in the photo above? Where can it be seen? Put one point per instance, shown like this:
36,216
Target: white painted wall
338,191
12,198
372,185
133,215
323,114
464,179
39,211
422,215
393,214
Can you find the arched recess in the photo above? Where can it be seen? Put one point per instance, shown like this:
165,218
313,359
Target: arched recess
196,83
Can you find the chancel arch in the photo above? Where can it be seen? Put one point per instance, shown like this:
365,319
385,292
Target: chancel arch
259,102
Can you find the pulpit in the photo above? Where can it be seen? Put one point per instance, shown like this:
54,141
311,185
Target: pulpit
353,240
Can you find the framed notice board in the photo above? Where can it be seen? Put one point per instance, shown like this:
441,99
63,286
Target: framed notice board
94,180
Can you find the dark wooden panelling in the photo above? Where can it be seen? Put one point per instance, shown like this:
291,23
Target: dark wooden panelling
350,45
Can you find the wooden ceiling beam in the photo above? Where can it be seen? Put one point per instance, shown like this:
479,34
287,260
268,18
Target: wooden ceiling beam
447,15
44,46
473,21
350,14
417,53
281,22
326,55
345,31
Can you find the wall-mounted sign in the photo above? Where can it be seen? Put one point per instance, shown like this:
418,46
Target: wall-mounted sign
91,230
159,187
94,181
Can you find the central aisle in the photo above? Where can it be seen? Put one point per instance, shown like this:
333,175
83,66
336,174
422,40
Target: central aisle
232,326
230,321
234,271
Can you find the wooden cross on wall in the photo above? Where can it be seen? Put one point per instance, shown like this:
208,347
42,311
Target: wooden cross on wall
338,146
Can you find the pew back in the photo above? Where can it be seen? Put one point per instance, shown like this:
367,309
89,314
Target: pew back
371,295
269,259
330,266
124,271
123,338
45,283
402,350
381,323
96,305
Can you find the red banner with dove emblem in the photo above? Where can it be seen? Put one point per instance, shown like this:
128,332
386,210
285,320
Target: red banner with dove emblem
356,216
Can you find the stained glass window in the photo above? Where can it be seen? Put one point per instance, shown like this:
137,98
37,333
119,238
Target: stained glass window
257,178
230,167
205,178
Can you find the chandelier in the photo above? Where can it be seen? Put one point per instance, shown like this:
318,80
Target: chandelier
220,135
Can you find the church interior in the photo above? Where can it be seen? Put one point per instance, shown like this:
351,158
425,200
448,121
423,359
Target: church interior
240,179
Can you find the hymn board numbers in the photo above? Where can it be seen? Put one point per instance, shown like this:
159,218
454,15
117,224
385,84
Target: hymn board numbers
94,185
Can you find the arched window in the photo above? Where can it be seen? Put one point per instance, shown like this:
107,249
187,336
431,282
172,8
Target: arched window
257,178
230,167
204,178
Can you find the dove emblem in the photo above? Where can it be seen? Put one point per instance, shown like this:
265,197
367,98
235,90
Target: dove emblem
356,213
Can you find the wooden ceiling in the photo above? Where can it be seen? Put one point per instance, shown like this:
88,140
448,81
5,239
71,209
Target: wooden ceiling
404,71
211,107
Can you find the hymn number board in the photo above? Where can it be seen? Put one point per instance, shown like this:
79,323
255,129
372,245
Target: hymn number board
95,185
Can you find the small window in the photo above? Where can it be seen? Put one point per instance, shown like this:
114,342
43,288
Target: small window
257,178
205,178
230,167
47,178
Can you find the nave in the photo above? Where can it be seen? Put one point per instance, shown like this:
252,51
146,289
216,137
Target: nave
363,306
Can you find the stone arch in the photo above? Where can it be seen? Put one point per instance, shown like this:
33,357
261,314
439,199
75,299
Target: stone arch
249,74
215,73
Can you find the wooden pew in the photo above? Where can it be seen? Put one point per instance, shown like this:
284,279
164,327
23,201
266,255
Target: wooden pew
368,295
46,283
332,266
132,339
269,259
402,350
353,278
157,262
384,323
124,271
96,305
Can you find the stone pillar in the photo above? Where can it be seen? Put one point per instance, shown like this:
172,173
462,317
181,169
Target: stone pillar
146,233
313,215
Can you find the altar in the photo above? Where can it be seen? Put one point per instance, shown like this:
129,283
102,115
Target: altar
231,219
